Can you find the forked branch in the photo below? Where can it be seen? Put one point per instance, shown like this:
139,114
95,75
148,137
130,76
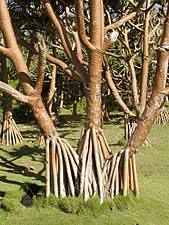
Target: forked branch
65,42
126,18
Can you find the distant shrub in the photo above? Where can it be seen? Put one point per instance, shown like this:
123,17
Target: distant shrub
81,105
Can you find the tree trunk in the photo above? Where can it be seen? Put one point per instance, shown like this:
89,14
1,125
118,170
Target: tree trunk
94,111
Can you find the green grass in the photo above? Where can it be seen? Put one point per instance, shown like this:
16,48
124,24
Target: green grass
153,171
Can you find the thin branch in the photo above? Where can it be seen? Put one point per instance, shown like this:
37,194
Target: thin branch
78,46
165,91
136,26
154,29
126,18
145,63
49,57
132,70
115,55
114,90
41,65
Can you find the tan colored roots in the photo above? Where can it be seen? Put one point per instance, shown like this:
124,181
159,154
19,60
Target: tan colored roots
94,155
102,172
61,168
129,127
122,174
93,170
10,132
163,116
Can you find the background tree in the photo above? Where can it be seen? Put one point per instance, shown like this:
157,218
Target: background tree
136,49
32,96
10,134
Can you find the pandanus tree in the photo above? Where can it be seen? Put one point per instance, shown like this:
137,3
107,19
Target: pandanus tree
32,97
10,134
138,43
93,169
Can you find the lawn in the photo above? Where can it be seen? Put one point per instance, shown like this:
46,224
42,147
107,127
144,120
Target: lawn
153,171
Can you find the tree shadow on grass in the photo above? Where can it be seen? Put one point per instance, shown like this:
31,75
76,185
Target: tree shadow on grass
35,154
31,133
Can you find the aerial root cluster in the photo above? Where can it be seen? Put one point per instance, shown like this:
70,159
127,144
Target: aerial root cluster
130,126
10,132
122,174
94,155
93,170
162,117
62,164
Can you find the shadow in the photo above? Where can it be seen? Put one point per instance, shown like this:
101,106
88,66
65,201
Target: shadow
7,181
31,133
2,194
70,121
19,152
32,190
15,168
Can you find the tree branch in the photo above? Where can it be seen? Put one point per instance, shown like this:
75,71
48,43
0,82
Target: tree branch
78,45
145,63
114,90
157,98
132,70
109,42
6,27
41,65
65,42
165,91
126,18
49,57
13,52
81,25
5,51
15,94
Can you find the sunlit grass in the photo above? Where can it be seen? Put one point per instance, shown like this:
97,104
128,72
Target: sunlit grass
153,171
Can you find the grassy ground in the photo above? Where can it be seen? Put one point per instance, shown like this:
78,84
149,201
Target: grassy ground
153,170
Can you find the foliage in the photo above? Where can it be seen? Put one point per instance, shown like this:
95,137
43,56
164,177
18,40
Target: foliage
73,205
81,106
122,142
11,201
124,203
